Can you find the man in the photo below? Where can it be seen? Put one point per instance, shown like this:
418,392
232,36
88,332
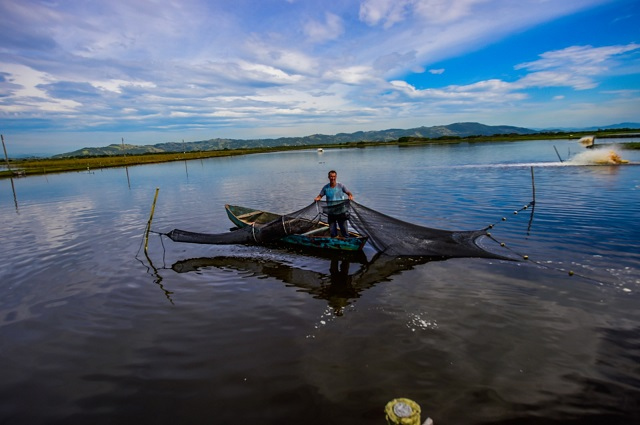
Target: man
337,205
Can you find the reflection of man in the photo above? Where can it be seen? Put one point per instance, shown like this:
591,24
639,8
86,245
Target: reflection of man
336,203
341,290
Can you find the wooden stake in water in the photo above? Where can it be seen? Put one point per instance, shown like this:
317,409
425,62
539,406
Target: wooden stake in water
559,157
533,185
186,170
153,207
126,169
533,202
6,157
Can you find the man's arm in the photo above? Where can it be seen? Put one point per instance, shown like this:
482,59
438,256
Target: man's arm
349,194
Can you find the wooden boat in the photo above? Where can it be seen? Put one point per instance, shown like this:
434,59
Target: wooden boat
318,237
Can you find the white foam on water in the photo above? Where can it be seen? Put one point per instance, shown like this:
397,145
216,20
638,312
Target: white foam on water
602,156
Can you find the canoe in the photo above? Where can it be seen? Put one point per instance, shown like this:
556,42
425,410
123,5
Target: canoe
318,237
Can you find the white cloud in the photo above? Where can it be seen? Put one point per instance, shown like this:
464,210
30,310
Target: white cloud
585,59
25,80
389,12
117,86
27,93
623,93
331,29
445,11
556,79
350,75
575,66
266,73
438,29
489,91
436,71
294,61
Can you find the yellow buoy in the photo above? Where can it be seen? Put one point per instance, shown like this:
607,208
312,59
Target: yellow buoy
402,411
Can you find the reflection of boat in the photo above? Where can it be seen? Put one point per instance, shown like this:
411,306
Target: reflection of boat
317,236
340,285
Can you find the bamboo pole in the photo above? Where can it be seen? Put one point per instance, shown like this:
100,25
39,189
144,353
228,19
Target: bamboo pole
153,208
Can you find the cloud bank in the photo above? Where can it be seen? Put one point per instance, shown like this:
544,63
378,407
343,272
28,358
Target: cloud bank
201,69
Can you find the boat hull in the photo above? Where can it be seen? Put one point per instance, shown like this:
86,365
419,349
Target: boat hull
318,238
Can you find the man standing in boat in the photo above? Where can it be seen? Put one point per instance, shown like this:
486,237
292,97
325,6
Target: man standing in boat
337,205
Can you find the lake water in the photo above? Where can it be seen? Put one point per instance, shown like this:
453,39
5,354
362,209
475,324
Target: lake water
91,331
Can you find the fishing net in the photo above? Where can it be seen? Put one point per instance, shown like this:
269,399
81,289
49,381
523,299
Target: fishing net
395,237
387,235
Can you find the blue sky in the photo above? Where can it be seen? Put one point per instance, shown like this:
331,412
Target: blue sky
76,73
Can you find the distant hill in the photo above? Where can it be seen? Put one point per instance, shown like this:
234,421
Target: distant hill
614,126
622,125
463,129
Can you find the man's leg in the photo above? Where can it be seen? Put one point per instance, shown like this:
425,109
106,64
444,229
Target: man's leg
333,226
344,229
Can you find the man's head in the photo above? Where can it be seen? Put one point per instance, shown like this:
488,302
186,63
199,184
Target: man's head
332,174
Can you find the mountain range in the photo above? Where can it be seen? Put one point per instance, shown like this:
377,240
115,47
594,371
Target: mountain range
463,129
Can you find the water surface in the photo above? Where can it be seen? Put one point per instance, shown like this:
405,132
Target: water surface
93,333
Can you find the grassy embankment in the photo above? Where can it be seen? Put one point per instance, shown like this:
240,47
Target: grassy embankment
59,165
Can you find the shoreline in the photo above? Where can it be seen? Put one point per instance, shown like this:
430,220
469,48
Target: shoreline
40,166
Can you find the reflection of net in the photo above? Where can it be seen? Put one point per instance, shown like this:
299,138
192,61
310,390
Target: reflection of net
386,234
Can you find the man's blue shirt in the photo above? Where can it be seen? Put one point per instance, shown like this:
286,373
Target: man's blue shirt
334,193
335,198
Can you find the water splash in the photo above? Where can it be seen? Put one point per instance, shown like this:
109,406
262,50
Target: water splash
604,156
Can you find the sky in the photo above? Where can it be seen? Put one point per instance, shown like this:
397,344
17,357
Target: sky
78,73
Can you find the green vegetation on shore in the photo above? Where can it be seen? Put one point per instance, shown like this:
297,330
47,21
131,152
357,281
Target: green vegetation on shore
57,165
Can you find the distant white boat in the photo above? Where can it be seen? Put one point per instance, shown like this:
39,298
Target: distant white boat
320,150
